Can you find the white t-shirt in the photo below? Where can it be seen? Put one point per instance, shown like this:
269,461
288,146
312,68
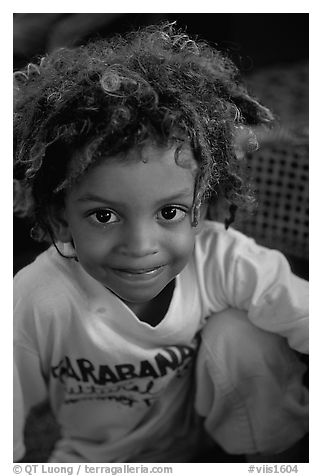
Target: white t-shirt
120,388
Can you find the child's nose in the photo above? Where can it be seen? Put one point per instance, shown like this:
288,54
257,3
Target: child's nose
139,240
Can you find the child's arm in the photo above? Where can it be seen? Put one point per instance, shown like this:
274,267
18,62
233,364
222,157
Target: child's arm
238,273
18,417
29,385
276,300
29,389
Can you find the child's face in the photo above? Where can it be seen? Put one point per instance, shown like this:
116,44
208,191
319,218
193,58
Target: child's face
130,221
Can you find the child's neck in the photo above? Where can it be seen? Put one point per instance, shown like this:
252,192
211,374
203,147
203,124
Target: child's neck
154,311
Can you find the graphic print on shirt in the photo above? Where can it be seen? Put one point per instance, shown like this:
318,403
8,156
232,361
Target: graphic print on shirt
127,383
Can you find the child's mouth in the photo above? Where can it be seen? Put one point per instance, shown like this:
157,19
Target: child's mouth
138,273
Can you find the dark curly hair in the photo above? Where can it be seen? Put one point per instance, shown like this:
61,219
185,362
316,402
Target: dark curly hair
113,94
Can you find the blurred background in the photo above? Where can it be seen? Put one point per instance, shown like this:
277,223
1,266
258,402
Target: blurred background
262,39
272,51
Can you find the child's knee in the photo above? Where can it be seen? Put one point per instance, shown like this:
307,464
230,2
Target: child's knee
249,386
230,336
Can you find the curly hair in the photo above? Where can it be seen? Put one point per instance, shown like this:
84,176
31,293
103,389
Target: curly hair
111,95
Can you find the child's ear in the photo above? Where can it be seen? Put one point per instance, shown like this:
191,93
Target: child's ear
60,225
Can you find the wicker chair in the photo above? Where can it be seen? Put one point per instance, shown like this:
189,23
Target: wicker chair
280,168
280,175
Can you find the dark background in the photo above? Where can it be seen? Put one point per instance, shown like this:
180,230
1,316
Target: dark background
262,39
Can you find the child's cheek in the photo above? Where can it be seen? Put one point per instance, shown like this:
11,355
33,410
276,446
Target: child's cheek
182,244
91,251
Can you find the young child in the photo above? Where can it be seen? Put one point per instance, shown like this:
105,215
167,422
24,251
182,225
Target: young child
144,323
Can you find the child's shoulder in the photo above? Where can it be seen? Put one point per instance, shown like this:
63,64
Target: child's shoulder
45,293
214,234
46,276
216,245
226,247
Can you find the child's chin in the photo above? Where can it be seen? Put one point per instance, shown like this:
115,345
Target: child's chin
138,298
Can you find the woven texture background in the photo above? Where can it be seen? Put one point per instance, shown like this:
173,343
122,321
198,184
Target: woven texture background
280,168
280,175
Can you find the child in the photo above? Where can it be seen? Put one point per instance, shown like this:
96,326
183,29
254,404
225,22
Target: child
144,323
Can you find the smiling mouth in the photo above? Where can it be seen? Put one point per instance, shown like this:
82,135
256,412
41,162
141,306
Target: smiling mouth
138,273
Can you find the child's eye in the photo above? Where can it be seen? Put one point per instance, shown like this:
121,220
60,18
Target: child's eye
104,216
171,213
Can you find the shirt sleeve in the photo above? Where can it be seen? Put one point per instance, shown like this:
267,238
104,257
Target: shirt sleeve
29,390
18,417
29,387
261,282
